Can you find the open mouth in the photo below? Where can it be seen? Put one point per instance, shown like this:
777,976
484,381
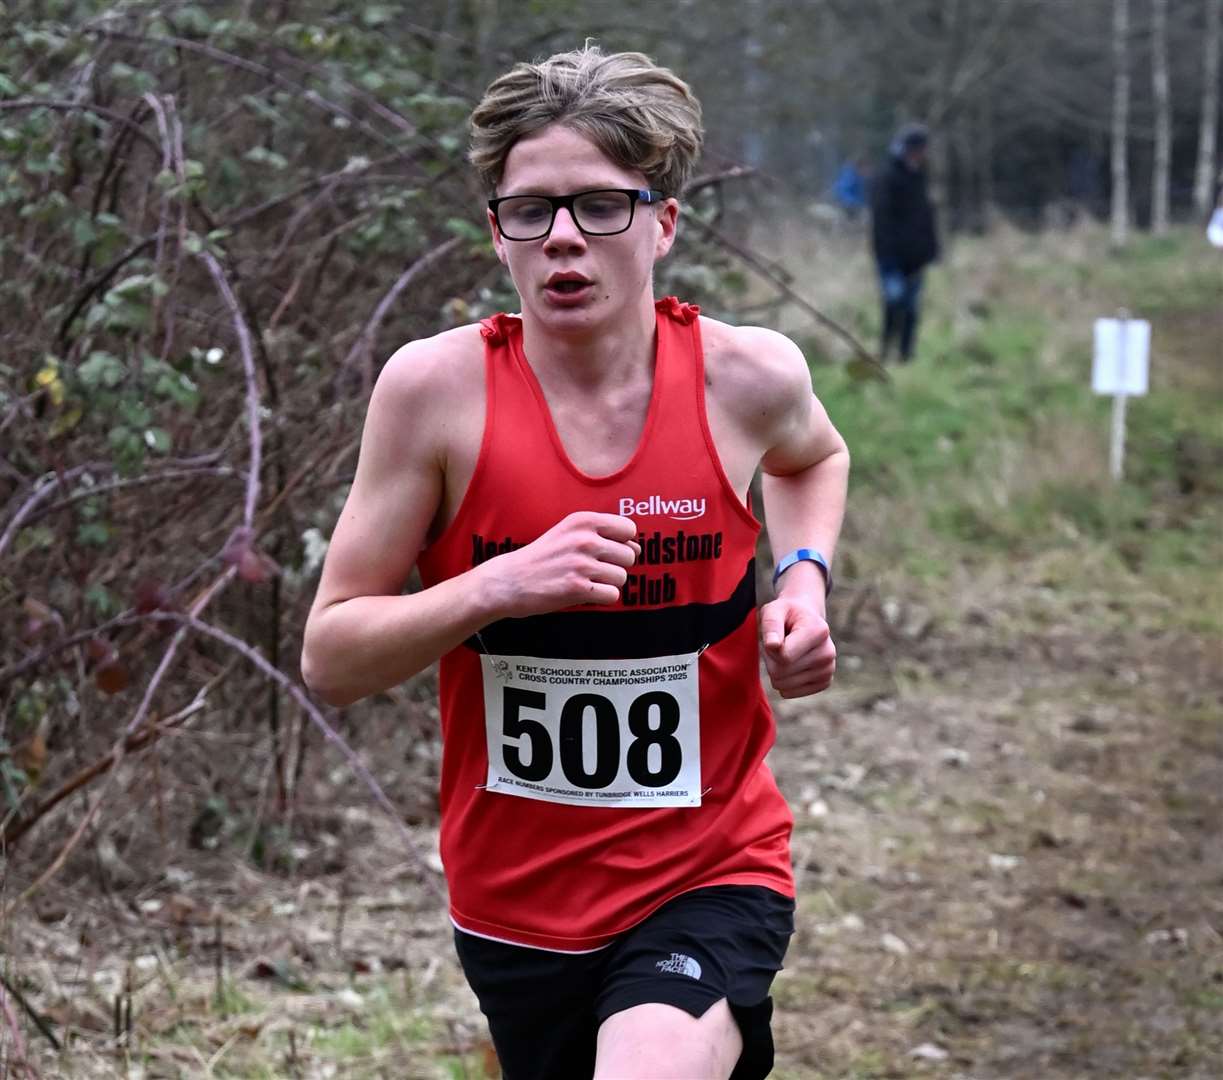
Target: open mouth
567,283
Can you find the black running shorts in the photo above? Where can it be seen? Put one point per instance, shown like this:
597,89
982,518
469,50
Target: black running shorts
544,1008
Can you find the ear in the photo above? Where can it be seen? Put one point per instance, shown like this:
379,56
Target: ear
498,242
667,218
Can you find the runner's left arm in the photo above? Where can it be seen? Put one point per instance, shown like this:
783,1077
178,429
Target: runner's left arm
805,479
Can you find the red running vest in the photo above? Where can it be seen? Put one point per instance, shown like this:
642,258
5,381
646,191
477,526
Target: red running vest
601,760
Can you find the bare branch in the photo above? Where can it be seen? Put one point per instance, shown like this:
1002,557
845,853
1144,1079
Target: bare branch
765,271
347,175
363,347
252,383
735,172
130,482
39,1022
82,106
221,56
41,490
100,282
317,718
120,747
15,1030
10,835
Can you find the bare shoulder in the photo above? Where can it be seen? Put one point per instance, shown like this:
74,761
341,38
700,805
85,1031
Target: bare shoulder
435,367
753,373
428,389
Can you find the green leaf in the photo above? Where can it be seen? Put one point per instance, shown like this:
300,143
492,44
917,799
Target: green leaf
261,108
127,316
92,534
66,421
128,448
467,230
132,78
137,284
261,155
51,165
39,537
377,15
135,412
83,232
193,20
100,598
8,88
178,388
101,369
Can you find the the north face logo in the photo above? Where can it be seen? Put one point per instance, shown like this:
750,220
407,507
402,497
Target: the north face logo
679,964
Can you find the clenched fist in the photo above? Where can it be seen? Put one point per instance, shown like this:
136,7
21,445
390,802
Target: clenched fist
798,651
582,559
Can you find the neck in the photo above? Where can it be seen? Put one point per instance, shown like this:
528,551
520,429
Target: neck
603,354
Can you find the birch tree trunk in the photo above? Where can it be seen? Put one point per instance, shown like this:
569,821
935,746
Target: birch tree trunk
1207,163
485,14
1121,109
940,114
1161,95
754,83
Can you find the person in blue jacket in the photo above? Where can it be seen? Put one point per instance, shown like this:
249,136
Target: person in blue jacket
849,188
904,236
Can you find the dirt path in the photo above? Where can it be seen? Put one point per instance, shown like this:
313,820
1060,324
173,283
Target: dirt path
1010,850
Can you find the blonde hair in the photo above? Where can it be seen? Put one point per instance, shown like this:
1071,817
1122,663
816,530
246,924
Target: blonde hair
641,115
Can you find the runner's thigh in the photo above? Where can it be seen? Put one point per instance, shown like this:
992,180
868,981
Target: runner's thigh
722,942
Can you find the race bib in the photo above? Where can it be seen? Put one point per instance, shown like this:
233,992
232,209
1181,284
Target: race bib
594,732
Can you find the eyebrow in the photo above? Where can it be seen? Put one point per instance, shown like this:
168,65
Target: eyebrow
539,190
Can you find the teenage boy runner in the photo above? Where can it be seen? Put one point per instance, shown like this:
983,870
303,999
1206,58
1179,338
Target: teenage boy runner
572,482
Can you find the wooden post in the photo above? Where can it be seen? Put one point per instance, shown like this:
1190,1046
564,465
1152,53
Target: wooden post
1116,454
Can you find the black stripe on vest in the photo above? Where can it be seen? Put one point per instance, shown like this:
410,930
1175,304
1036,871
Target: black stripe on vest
621,635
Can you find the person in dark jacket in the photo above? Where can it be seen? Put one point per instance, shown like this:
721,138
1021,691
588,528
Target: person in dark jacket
904,236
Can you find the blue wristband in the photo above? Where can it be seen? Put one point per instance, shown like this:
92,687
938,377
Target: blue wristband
805,555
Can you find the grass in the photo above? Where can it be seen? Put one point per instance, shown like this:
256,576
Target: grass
991,444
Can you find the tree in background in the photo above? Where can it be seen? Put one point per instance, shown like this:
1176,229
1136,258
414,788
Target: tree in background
1161,97
1120,217
1205,169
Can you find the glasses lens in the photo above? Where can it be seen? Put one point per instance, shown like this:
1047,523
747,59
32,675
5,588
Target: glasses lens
524,217
603,212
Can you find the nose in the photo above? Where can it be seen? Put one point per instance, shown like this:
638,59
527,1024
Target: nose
565,233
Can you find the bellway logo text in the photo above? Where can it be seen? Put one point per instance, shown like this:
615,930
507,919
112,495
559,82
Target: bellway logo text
679,509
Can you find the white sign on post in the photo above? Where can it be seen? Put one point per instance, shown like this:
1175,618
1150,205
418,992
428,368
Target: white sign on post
1122,357
1120,367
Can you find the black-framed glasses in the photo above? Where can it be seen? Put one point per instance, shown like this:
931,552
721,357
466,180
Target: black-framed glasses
600,212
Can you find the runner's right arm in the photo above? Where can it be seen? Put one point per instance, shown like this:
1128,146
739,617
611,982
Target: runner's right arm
362,636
